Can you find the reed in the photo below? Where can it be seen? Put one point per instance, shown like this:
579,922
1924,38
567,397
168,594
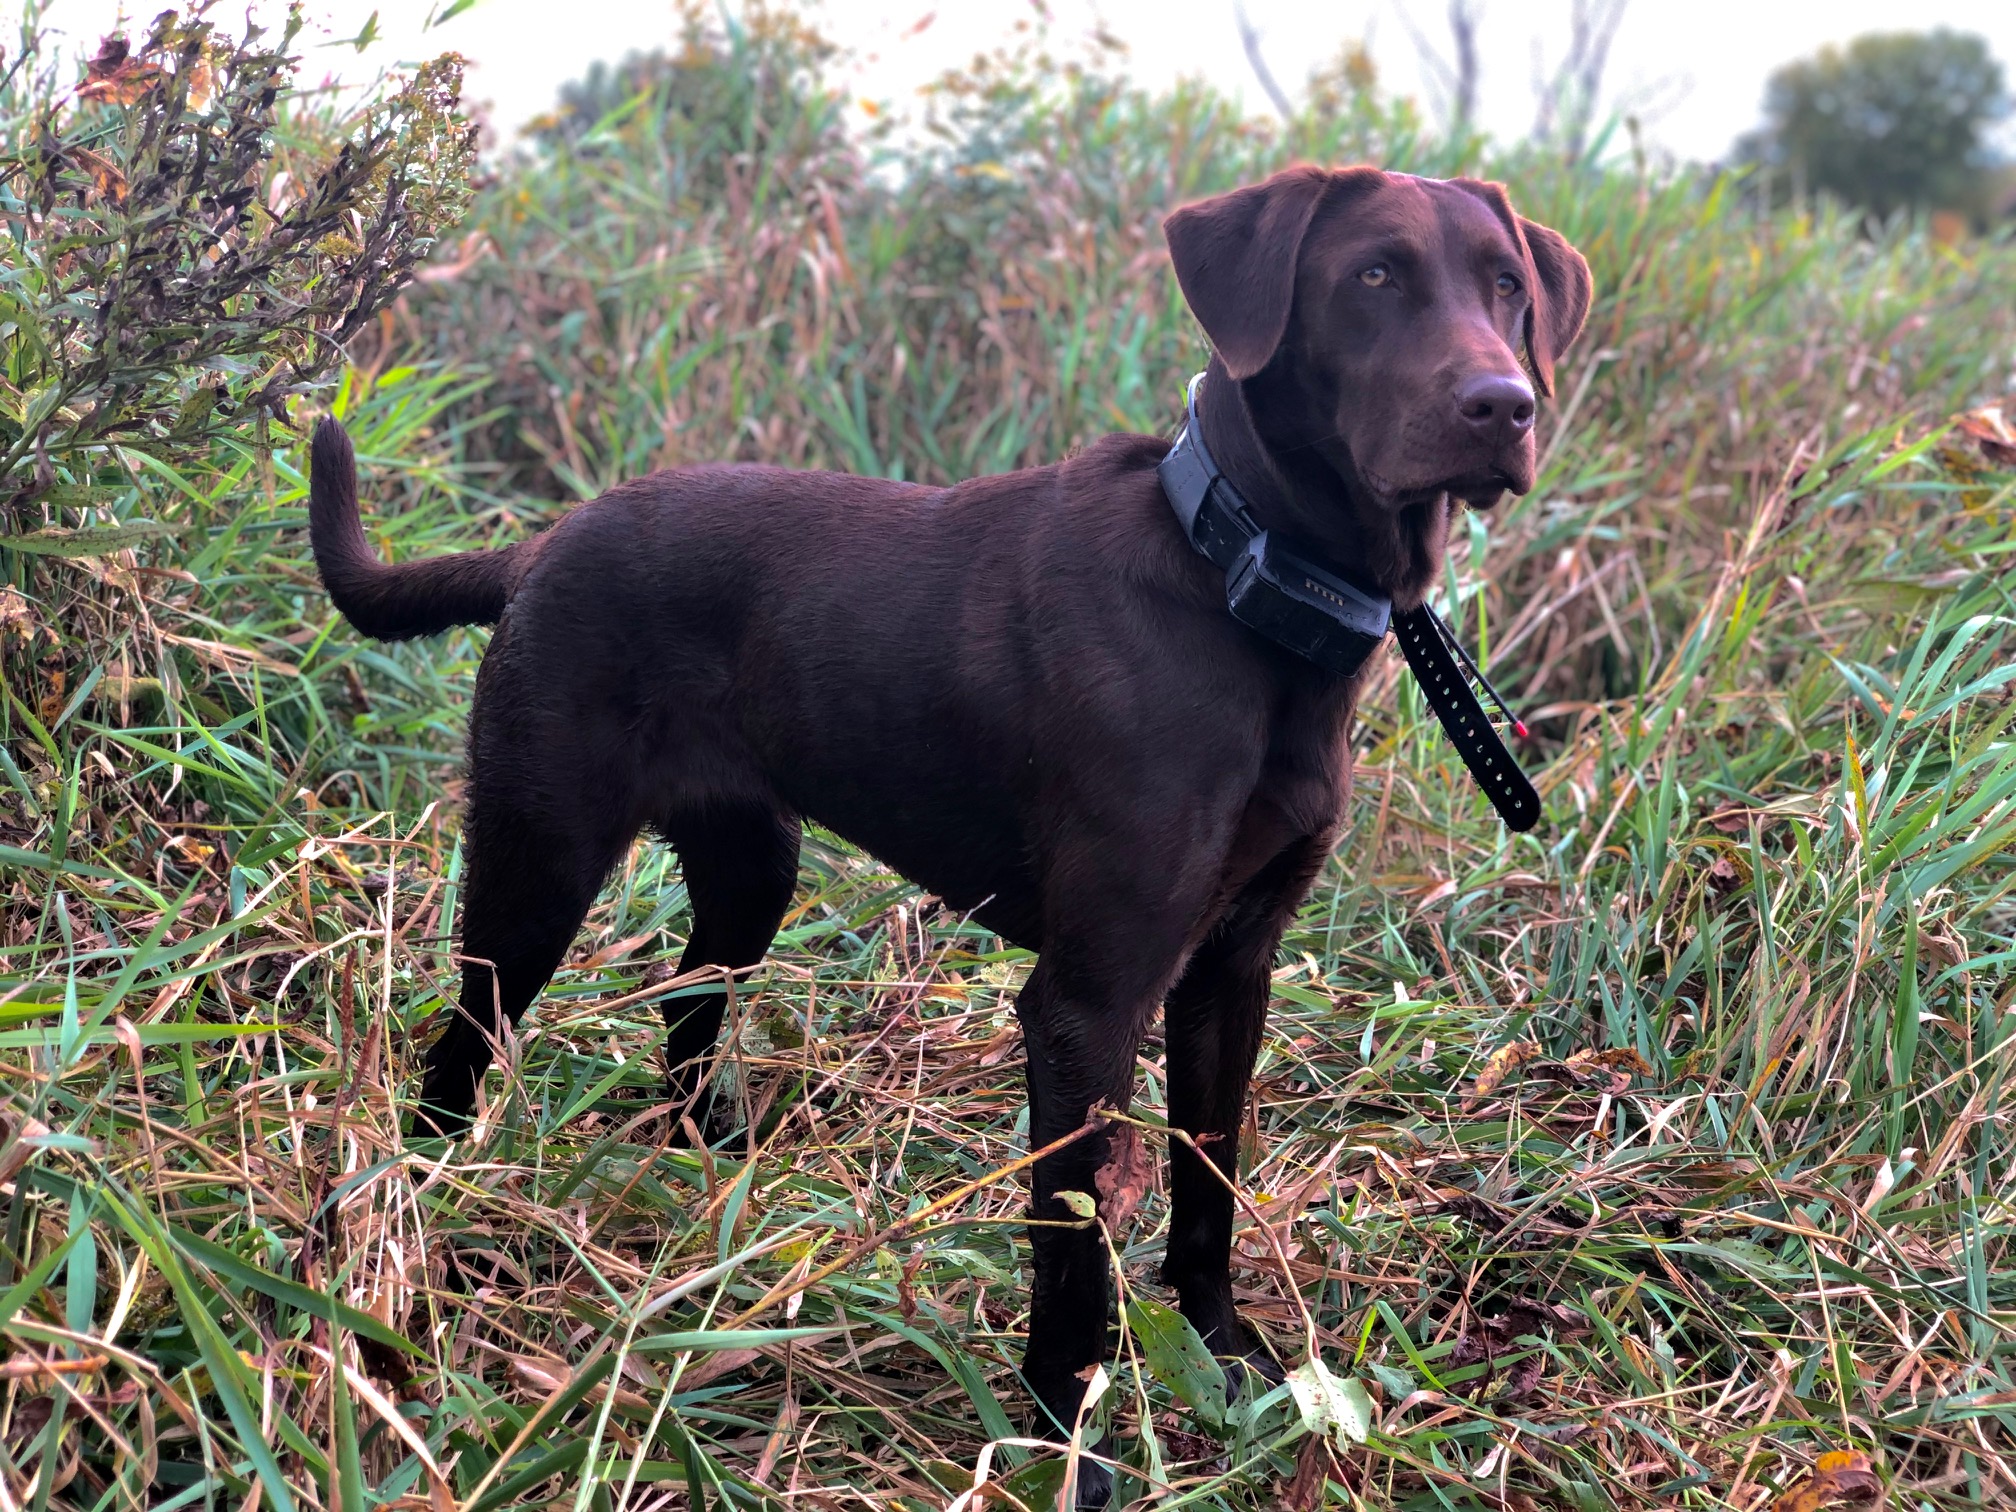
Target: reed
1639,1161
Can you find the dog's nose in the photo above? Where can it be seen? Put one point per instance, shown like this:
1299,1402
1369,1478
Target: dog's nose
1498,405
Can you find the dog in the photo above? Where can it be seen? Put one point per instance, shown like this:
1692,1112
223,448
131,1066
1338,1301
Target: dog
1024,692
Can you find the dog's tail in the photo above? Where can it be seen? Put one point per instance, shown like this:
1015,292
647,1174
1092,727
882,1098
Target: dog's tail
392,602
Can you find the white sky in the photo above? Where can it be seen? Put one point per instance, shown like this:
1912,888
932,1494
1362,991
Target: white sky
1705,60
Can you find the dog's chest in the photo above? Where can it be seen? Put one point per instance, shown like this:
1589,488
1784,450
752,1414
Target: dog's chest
1309,783
1304,780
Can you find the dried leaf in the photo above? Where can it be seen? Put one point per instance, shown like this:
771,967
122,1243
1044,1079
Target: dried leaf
615,951
1842,1478
1125,1178
1611,1069
1504,1060
18,1141
1615,1058
1731,819
1990,428
16,620
1486,1339
996,1049
115,76
1725,876
1942,948
1313,1466
712,1367
538,1375
202,83
906,1287
190,850
107,182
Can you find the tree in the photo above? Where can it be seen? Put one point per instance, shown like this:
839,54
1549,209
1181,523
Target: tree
1568,97
1454,79
1250,40
1892,121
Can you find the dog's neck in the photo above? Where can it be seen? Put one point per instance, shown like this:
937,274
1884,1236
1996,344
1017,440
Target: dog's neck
1262,438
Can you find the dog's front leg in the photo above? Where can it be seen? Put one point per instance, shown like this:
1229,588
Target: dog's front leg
1215,1017
1081,1029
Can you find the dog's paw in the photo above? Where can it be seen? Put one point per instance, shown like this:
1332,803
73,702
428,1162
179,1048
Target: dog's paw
714,1118
1238,1349
1252,1369
1095,1485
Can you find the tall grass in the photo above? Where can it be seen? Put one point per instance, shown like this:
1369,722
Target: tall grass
1638,1161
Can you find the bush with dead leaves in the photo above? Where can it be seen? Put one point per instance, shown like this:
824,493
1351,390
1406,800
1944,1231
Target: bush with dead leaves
187,250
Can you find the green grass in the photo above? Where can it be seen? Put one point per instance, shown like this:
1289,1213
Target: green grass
1758,606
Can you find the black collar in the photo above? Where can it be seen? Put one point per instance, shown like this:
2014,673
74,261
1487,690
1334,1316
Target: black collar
1317,610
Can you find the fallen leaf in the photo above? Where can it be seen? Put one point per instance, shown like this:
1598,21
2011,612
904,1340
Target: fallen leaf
19,1141
1125,1177
1991,429
711,1367
1612,1068
996,1049
1842,1478
1731,819
1486,1339
15,618
906,1287
190,850
538,1374
1332,1406
1942,948
1476,1209
1725,876
1504,1060
1313,1464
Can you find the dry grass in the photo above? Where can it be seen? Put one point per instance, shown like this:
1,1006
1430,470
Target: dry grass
1636,1162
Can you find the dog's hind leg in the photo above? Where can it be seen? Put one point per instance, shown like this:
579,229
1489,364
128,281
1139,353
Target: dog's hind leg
741,866
534,864
1213,1022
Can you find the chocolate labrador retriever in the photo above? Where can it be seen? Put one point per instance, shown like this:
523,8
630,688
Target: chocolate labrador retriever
1024,692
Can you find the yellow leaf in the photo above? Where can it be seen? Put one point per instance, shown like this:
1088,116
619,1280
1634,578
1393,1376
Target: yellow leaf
1841,1478
1504,1060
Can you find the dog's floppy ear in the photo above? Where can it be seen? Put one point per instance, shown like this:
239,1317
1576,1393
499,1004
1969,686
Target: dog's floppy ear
1235,258
1561,292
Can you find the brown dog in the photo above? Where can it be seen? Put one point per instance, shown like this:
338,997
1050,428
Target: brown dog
1024,692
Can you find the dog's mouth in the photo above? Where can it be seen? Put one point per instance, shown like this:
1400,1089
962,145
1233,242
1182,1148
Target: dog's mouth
1480,490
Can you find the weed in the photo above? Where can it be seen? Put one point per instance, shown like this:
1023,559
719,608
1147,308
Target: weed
1636,1162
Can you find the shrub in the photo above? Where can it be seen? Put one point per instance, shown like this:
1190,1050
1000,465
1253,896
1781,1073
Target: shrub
1640,1160
165,286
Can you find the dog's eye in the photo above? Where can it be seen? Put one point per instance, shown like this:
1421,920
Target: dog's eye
1507,285
1375,275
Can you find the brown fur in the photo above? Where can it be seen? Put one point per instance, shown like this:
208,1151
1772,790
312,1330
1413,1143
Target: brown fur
1024,692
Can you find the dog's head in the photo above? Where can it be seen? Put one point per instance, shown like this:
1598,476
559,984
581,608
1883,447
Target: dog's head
1377,323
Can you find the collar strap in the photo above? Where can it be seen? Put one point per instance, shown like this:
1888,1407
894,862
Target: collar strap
1216,518
1282,591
